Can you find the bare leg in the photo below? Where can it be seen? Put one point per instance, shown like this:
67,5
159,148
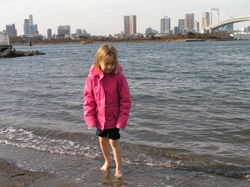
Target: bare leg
117,156
104,144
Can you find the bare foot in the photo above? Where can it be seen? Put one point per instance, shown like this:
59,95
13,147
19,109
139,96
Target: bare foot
118,173
105,167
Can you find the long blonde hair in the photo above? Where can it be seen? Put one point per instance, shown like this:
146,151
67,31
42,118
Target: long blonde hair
103,51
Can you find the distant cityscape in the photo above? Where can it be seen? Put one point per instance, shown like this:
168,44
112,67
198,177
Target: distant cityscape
186,25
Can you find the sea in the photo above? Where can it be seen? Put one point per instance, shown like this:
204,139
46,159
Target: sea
190,112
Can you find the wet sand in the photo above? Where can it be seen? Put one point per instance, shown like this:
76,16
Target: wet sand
10,175
13,176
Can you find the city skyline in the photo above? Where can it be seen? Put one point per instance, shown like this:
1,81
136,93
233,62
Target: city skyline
104,18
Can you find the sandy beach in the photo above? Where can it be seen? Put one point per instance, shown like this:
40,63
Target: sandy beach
13,176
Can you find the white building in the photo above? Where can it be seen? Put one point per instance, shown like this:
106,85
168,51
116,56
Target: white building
189,22
181,25
215,16
26,27
205,21
130,25
165,27
4,39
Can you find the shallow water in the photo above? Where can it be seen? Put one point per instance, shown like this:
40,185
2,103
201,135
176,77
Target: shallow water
190,106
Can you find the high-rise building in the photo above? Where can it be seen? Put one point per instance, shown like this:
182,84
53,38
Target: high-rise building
26,27
197,26
133,24
63,31
31,19
189,22
165,25
29,28
126,25
11,31
205,20
49,33
215,16
130,25
34,29
181,25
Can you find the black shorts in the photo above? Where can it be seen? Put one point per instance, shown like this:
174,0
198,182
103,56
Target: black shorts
109,133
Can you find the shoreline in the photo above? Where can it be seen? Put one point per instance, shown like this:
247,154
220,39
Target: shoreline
11,175
124,41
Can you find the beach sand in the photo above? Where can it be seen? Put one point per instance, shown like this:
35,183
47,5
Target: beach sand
10,175
13,176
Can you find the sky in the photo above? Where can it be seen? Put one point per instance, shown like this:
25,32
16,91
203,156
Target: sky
104,17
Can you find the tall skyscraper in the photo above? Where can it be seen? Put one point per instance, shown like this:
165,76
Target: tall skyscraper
189,22
126,25
205,20
26,27
181,25
31,19
215,16
129,25
11,31
133,24
29,28
165,25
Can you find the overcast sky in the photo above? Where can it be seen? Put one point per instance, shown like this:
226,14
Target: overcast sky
103,17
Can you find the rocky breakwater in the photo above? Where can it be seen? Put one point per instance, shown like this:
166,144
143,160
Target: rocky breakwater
8,53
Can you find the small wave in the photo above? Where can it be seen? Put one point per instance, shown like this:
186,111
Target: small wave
186,160
26,139
56,142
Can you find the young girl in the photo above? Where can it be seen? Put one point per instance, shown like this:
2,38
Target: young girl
107,103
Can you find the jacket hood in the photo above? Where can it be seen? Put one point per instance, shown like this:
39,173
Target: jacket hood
95,72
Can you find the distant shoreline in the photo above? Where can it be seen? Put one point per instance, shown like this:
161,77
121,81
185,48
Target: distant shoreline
189,37
47,42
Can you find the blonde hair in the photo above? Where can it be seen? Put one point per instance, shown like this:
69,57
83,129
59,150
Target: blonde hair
103,51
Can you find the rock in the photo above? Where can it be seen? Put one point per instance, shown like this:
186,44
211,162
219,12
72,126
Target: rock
8,53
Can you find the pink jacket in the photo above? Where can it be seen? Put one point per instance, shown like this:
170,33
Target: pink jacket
106,100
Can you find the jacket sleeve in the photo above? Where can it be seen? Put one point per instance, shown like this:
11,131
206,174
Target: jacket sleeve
125,104
89,105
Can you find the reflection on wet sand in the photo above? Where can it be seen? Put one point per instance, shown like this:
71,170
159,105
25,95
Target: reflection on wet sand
108,180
